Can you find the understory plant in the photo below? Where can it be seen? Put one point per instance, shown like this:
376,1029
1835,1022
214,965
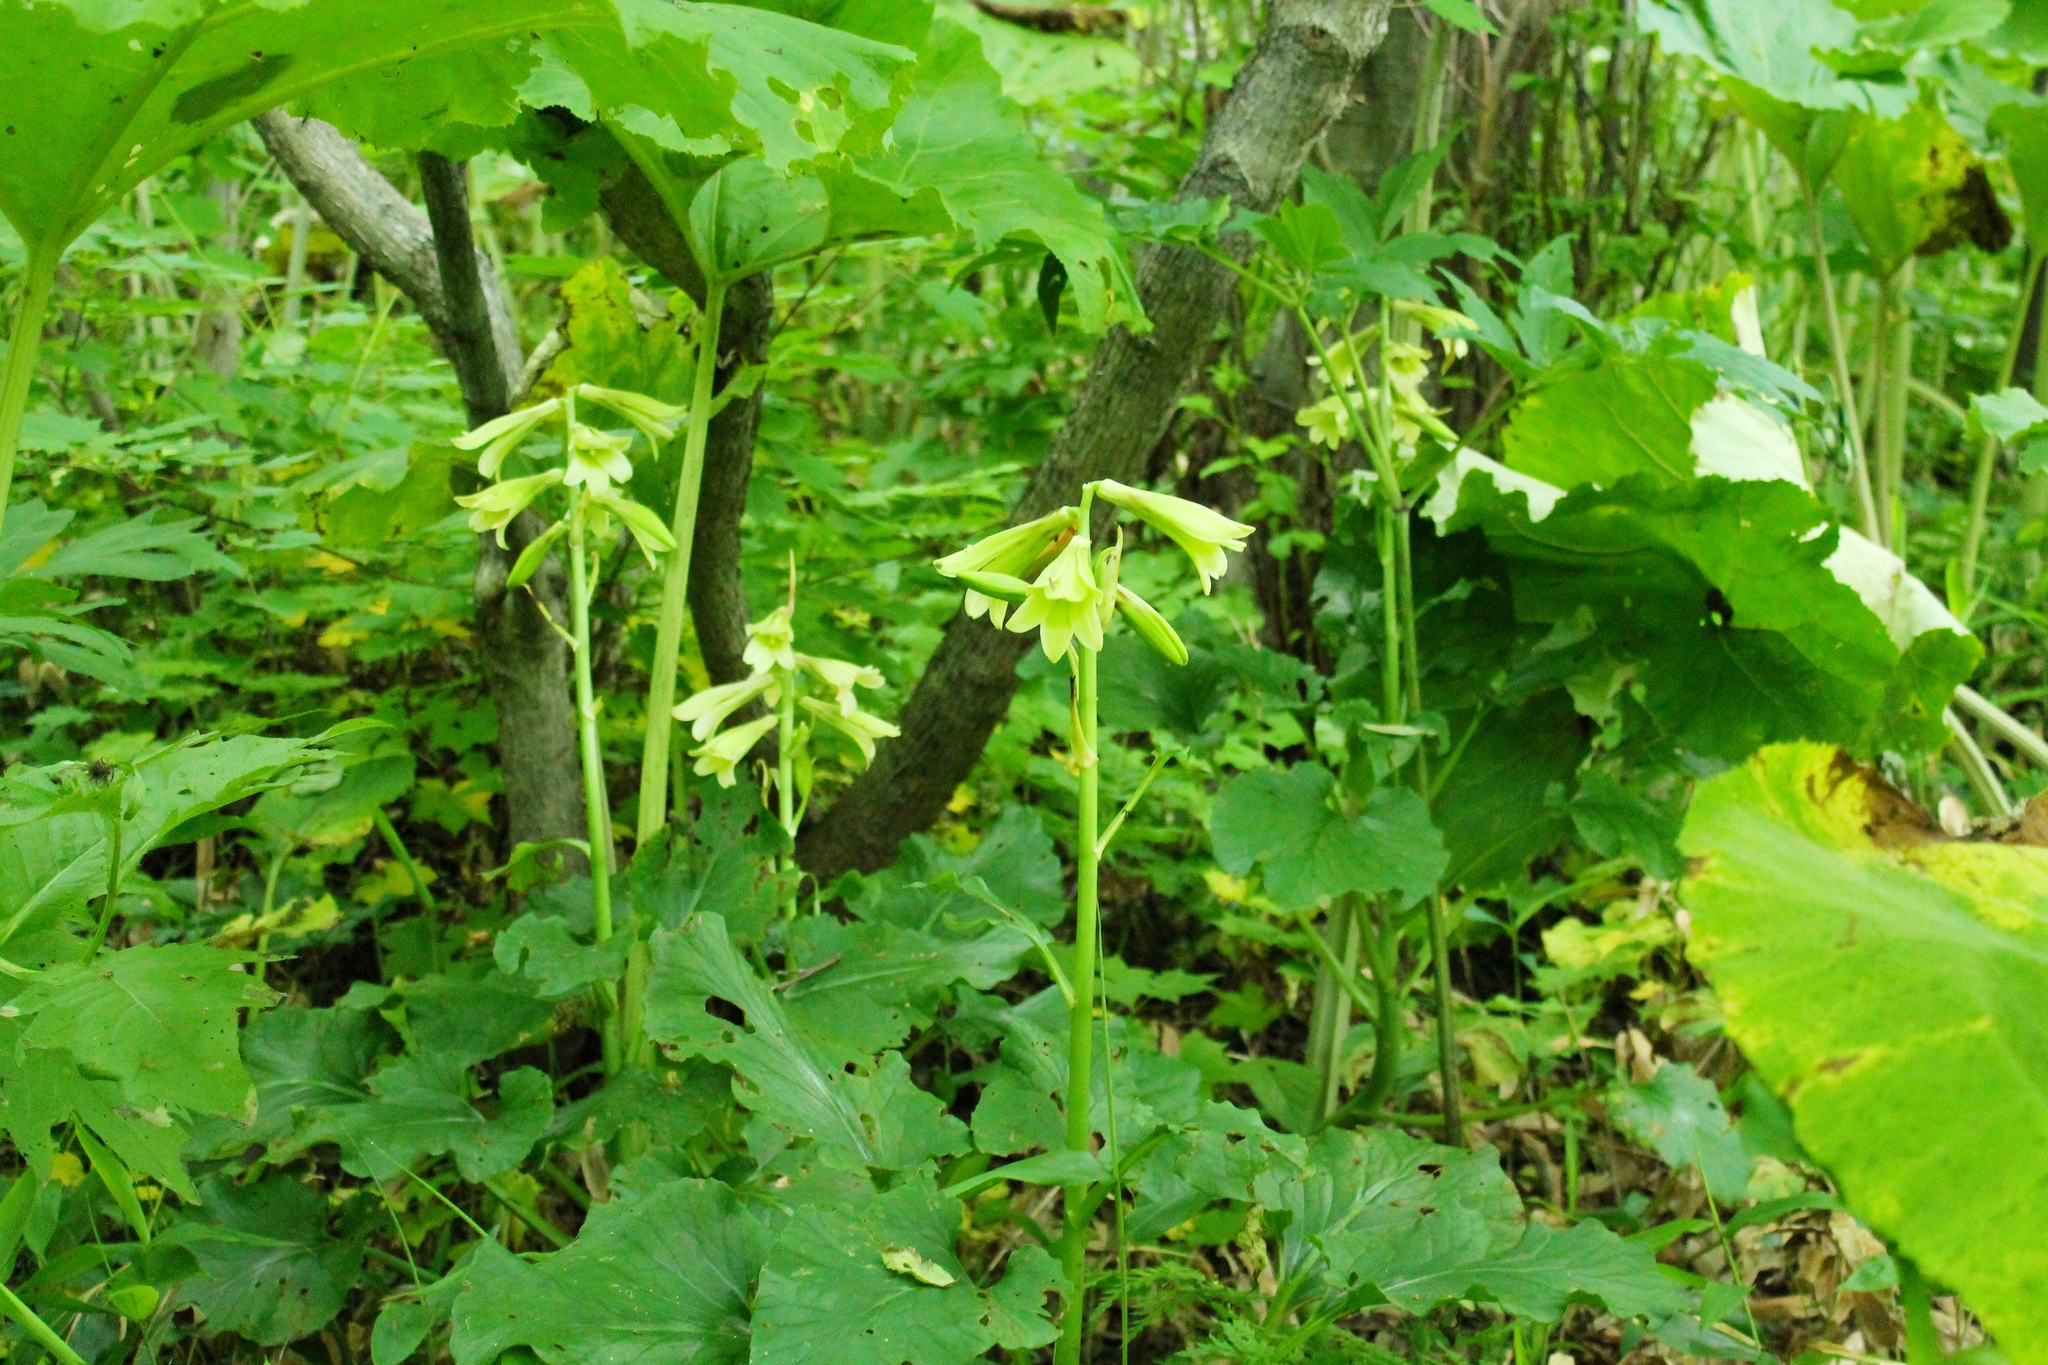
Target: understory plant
1046,576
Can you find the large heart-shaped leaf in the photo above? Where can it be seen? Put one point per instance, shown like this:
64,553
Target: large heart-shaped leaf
1888,981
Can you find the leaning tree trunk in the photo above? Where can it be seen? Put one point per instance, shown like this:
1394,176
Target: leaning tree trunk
431,258
1294,85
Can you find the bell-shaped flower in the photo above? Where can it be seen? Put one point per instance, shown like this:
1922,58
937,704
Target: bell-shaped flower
1014,553
1064,604
771,642
858,726
729,748
597,459
501,436
705,711
1108,565
653,538
493,508
842,677
1328,421
1447,325
657,420
1150,625
1203,534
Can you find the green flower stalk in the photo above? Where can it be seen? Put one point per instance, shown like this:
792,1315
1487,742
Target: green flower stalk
780,679
594,464
1046,576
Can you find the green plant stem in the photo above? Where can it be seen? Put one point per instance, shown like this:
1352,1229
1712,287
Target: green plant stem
523,1208
785,796
1923,1342
1081,1016
596,807
1336,988
22,345
1987,454
44,1336
675,583
113,894
1891,409
419,884
1383,1007
1446,1025
1845,392
1392,683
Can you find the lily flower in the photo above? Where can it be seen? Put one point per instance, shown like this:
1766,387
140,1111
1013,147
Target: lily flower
1151,626
657,420
723,755
842,677
858,726
1064,603
771,642
597,460
653,538
1012,553
1203,534
493,508
705,711
1447,325
501,436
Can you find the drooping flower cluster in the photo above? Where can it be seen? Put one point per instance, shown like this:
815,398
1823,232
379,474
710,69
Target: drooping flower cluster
1329,419
593,461
780,679
1047,576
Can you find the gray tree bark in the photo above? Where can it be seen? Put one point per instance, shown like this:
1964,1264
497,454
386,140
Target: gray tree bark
432,258
1296,83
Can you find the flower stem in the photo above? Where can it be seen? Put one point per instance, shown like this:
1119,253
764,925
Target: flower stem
785,797
1987,456
20,371
596,807
675,583
1081,1018
1845,393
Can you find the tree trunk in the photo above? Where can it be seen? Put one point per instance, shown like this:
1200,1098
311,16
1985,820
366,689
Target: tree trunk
1295,84
432,259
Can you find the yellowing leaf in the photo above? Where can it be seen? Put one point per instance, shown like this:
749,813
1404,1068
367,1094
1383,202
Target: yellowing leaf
67,1170
906,1261
331,563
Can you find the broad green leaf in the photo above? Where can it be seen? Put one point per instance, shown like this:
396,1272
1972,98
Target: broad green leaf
706,79
667,1277
1492,806
674,1104
873,1115
341,814
1024,1093
271,1271
746,219
1748,616
162,1021
1538,1275
451,102
2005,416
42,1088
465,1021
1678,1113
1887,981
420,1107
362,517
829,1292
1631,819
139,548
50,868
1015,859
106,95
2024,130
543,951
308,1059
612,346
875,983
959,154
1282,821
1629,415
1913,187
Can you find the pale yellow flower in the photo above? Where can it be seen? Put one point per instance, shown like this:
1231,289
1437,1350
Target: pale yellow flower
705,711
858,726
597,459
1437,321
657,420
493,508
1012,553
1150,625
723,755
1064,603
653,538
501,436
771,642
1328,421
1203,534
842,677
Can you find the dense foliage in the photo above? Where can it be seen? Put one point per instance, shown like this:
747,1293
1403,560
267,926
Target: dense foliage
916,682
